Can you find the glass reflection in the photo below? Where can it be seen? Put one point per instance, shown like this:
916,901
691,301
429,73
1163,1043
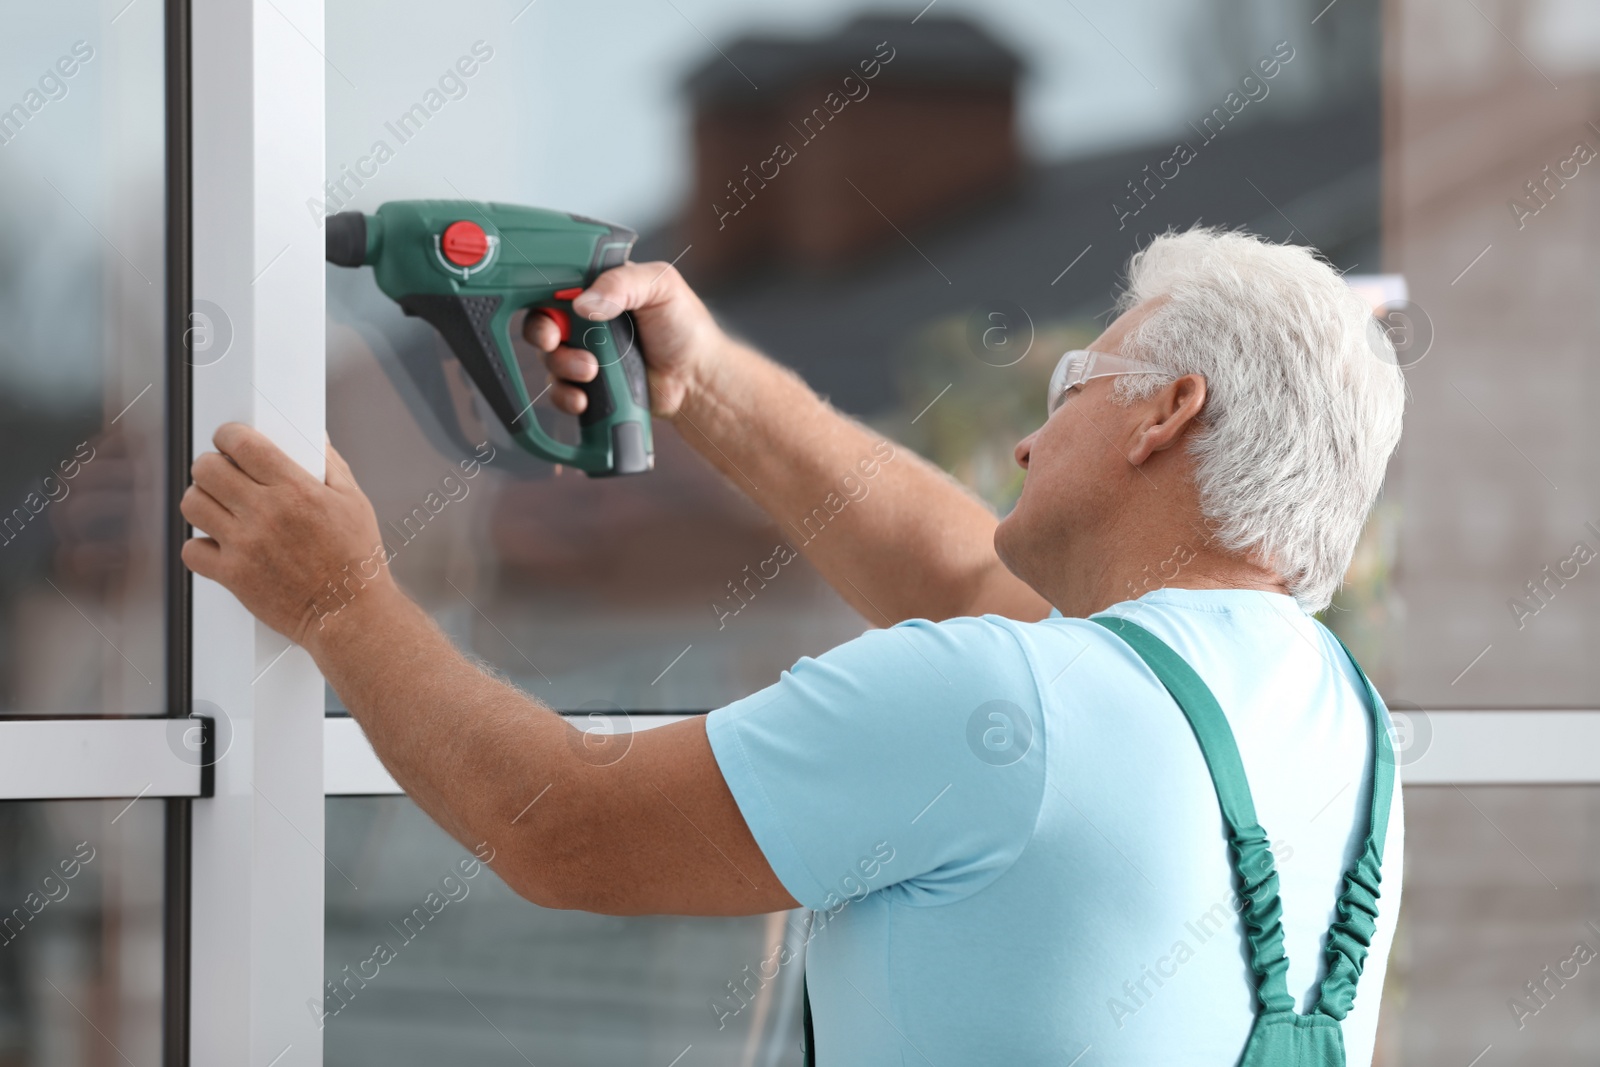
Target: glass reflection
80,932
658,591
81,355
1489,187
1497,935
431,959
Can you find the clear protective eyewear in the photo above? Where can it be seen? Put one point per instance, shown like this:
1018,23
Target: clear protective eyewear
1082,364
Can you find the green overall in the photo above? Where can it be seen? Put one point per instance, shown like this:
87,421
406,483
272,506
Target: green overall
1281,1037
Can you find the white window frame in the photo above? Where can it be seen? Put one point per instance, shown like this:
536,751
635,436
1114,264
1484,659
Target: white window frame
256,912
258,114
66,758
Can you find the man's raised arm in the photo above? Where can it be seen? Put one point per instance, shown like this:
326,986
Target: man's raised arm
911,543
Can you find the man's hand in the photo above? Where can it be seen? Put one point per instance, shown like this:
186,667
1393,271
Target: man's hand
679,338
291,548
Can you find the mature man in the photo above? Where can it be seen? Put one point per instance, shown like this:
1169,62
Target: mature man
1000,816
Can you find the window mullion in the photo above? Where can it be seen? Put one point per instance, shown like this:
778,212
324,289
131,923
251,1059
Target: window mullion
257,853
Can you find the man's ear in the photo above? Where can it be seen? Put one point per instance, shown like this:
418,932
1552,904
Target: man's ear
1168,412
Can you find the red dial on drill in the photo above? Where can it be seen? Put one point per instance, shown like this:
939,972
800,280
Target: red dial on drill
464,243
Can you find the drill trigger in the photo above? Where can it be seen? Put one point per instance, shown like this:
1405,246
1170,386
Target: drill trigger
562,320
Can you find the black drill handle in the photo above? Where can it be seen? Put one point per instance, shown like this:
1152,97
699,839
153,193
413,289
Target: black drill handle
623,351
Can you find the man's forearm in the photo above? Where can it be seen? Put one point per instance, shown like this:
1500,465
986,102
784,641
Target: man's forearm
906,541
461,744
620,823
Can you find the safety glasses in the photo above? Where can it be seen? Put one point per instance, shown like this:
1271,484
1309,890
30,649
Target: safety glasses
1082,364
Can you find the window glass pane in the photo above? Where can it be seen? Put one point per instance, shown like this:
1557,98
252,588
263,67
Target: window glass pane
1497,939
925,286
1490,194
80,932
930,246
81,359
431,959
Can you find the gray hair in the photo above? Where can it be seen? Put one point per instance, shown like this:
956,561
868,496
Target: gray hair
1303,395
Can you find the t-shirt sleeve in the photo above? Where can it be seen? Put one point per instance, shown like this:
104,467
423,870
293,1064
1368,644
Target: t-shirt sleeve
911,758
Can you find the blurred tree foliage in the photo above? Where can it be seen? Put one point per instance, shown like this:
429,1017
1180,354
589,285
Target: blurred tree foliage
972,386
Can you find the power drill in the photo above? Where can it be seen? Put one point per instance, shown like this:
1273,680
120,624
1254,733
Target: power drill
468,268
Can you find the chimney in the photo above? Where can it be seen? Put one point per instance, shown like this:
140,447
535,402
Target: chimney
880,125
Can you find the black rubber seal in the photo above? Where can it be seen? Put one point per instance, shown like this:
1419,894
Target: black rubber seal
180,431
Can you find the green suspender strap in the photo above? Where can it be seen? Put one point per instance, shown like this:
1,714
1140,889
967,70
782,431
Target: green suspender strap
1281,1037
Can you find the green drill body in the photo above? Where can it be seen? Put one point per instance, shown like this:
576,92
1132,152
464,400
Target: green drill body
469,268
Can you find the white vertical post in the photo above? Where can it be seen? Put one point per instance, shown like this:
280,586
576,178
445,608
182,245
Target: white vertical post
258,116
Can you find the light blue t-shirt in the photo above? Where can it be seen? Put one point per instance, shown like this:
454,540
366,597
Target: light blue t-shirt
1012,845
